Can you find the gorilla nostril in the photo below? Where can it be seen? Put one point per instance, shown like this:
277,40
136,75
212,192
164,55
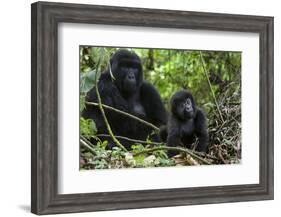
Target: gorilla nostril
131,76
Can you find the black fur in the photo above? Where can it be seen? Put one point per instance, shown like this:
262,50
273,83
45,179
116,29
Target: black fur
185,123
129,93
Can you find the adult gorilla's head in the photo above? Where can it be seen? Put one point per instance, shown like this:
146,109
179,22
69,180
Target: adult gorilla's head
127,70
183,105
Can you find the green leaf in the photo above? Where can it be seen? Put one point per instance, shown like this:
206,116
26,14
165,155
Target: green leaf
82,103
87,127
87,81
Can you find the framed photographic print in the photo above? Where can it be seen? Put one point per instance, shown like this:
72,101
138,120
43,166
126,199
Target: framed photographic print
136,108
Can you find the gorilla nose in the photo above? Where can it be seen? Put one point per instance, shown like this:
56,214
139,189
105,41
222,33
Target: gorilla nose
131,76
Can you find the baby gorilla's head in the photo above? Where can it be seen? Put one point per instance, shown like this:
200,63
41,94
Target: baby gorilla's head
183,105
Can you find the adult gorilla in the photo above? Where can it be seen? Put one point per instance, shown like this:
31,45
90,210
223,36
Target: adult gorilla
127,92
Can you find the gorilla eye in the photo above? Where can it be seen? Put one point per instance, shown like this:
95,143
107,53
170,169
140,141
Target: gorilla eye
134,70
124,68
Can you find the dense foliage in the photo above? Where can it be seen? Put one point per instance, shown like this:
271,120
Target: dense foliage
213,77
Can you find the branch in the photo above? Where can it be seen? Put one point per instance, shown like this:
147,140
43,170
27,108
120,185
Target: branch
156,143
103,113
131,140
106,121
178,149
210,85
85,144
193,154
124,113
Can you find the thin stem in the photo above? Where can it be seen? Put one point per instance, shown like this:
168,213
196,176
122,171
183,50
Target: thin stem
210,85
116,141
103,113
124,113
85,144
178,149
155,143
131,140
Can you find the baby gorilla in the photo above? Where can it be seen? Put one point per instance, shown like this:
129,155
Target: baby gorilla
186,122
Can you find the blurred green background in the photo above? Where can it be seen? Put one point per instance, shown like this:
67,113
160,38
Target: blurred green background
171,70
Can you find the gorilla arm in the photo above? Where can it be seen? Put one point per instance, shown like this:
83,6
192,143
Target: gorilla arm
201,131
108,97
174,135
153,106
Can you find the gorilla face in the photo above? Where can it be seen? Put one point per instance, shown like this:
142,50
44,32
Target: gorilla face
185,109
130,78
127,71
183,105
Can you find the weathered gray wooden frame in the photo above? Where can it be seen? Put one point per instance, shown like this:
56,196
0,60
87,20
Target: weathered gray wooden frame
45,19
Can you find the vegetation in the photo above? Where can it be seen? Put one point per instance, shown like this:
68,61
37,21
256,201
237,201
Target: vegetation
213,77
